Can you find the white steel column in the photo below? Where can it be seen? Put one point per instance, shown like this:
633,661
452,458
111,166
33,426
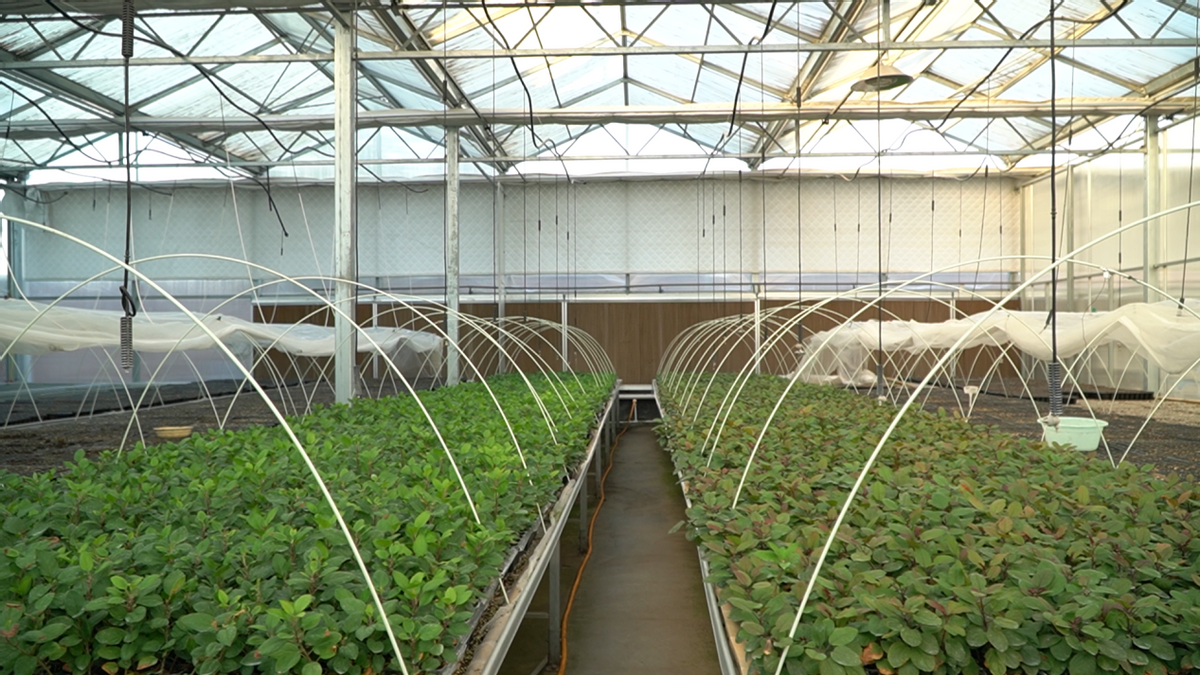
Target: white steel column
1150,231
452,185
345,237
1069,235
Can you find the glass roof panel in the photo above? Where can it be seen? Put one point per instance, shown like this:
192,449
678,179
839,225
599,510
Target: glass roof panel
1138,64
1070,83
248,85
674,75
21,39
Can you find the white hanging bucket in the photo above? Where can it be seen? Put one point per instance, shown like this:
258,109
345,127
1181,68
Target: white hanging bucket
1082,432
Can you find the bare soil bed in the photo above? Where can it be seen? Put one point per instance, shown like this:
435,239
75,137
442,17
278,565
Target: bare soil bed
41,446
1170,440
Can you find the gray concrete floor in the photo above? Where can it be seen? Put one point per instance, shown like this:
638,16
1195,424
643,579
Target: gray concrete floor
640,606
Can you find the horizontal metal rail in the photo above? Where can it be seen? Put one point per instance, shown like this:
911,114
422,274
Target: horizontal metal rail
490,653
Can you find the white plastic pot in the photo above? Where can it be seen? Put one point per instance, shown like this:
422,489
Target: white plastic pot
1082,432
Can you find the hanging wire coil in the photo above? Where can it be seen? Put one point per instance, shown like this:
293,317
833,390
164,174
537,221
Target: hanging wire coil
127,303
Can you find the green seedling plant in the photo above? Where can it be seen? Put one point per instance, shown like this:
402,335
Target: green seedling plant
970,551
217,554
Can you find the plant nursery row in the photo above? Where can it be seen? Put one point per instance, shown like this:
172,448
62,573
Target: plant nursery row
967,550
218,554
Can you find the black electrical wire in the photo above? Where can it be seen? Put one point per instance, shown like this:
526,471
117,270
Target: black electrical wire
127,301
49,118
1187,232
879,225
285,148
737,92
1054,371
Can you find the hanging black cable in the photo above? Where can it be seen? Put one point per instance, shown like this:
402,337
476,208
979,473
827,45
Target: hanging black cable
879,224
1054,370
1187,232
799,240
127,302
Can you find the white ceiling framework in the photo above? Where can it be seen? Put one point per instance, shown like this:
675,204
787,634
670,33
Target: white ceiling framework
245,88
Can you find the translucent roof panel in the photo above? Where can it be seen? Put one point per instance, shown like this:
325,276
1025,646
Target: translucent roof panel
681,65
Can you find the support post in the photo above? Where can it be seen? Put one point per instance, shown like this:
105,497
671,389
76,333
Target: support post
554,610
757,332
452,295
1150,231
598,465
17,366
1069,236
345,238
583,505
566,359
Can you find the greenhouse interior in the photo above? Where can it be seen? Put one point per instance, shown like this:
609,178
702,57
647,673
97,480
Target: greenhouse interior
830,337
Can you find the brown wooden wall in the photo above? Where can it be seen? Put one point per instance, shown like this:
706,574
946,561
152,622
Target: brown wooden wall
636,334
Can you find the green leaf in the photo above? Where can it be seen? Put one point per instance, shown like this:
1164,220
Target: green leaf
198,622
843,636
911,636
302,603
311,668
846,656
286,658
1082,664
994,660
831,667
997,638
927,618
110,636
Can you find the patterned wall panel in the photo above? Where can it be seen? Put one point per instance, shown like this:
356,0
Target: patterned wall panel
714,224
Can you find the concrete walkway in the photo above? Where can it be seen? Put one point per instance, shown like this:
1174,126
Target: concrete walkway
640,606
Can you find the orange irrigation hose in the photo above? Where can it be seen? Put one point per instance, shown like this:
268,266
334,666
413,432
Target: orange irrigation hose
562,664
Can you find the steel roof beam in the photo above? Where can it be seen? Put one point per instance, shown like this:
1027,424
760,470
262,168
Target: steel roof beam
682,114
542,157
634,50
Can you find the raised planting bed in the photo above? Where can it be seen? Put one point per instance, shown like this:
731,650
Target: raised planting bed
968,550
218,553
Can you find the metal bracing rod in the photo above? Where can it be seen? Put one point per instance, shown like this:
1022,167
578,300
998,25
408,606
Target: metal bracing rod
540,158
585,115
598,50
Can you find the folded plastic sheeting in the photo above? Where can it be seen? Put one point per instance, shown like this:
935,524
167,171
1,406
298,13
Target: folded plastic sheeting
36,330
1164,332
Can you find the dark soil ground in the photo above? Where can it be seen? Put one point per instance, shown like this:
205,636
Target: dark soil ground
41,446
1170,441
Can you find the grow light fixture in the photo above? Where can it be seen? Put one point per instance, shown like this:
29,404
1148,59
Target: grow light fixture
881,78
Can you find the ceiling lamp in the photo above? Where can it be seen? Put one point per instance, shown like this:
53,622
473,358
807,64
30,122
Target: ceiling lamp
881,78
